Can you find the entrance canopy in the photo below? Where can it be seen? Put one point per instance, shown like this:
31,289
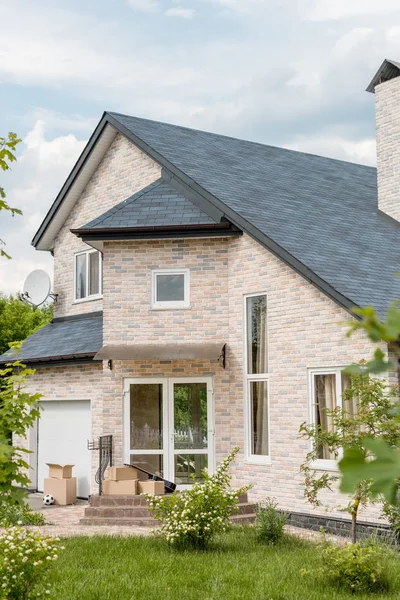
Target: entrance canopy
207,351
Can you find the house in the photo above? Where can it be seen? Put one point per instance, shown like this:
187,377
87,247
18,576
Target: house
202,284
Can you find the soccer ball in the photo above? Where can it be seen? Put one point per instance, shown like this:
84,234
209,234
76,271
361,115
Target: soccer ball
48,499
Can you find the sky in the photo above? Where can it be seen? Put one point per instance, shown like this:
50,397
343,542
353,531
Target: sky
289,73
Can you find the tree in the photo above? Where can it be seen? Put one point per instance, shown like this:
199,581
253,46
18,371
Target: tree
366,415
7,156
376,459
18,413
18,320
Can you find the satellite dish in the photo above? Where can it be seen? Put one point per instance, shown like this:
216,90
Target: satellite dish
37,288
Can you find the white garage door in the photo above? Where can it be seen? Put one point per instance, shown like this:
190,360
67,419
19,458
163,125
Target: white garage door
63,431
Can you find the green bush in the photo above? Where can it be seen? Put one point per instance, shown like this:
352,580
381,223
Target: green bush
356,567
19,514
269,524
193,517
26,558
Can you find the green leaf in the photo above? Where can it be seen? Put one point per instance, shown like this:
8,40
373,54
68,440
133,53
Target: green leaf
383,469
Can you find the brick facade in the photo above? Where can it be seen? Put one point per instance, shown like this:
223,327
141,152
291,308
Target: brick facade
304,329
387,103
123,171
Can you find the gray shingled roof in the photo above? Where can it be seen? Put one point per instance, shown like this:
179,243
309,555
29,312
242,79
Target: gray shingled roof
156,205
321,211
73,337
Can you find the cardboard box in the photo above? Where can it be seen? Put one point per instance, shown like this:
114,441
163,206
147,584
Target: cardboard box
151,487
122,473
119,488
60,471
63,490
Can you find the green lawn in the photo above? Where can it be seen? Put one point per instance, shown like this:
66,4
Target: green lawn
236,568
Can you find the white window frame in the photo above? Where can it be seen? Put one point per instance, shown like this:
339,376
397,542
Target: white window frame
257,459
324,464
88,298
185,303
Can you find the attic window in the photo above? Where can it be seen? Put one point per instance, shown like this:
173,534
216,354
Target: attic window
170,289
88,276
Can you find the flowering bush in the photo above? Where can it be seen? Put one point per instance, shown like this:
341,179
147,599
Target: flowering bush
25,558
193,517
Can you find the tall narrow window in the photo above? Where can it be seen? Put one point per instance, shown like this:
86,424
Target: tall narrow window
257,375
327,394
88,275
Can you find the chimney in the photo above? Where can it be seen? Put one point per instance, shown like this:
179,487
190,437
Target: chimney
386,87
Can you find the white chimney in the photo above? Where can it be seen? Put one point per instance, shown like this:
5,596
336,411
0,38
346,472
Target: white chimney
386,86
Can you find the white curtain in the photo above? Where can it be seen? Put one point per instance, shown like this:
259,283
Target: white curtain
259,397
325,398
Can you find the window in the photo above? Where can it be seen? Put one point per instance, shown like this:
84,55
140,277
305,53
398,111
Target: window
256,377
327,386
170,289
88,275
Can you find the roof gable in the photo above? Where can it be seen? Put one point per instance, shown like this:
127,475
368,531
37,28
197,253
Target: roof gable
157,204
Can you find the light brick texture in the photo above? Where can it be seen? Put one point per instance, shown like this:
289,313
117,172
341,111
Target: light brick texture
123,171
305,330
387,106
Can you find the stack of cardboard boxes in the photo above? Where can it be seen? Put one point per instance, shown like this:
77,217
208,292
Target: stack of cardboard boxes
124,481
60,484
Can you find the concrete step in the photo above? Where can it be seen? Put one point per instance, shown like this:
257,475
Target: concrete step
246,518
246,508
120,522
117,511
133,511
118,501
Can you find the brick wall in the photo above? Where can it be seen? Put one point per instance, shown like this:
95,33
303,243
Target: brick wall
124,170
128,315
387,104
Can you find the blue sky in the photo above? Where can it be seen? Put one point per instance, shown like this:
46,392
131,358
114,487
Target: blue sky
283,72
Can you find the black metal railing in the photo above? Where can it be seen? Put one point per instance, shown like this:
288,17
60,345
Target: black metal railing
104,445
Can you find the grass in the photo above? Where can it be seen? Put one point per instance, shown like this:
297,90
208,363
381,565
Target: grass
237,567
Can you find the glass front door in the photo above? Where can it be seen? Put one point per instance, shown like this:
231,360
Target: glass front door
169,427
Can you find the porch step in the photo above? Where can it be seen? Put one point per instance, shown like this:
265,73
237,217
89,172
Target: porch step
130,511
243,518
120,521
123,501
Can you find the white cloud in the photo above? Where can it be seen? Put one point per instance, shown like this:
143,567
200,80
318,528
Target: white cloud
326,10
336,146
32,185
144,5
179,11
240,6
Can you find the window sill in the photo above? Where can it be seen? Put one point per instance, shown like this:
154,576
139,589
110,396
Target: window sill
325,465
157,308
258,460
89,299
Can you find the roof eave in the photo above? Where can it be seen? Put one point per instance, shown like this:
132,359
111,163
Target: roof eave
154,232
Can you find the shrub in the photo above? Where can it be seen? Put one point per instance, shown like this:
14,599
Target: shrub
269,524
193,517
19,514
26,558
356,567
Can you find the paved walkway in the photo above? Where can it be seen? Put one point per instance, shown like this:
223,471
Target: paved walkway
63,521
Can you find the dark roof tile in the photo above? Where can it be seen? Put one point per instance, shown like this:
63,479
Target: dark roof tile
70,337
